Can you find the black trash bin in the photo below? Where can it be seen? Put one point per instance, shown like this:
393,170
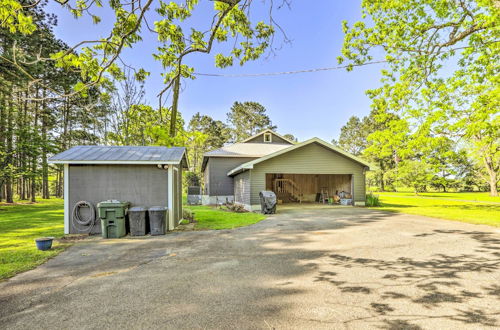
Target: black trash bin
267,202
137,220
158,220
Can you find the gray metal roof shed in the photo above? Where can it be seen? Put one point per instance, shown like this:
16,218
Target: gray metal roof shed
141,175
121,155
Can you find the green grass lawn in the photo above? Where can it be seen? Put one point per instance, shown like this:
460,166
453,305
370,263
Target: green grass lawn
208,217
471,196
477,208
20,224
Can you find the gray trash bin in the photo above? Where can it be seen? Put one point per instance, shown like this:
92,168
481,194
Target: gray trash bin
158,220
137,220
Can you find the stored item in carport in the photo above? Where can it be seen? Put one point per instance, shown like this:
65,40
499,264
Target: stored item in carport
346,201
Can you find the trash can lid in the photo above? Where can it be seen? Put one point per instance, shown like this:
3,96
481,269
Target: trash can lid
158,208
138,209
113,203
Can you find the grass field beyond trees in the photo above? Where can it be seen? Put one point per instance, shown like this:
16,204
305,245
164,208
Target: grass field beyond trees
477,208
20,224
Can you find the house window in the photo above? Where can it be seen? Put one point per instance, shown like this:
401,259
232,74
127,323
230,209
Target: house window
268,137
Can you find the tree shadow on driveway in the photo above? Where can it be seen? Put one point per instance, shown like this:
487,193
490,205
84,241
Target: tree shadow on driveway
440,286
302,269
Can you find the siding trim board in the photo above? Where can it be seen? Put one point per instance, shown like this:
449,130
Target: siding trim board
170,197
66,198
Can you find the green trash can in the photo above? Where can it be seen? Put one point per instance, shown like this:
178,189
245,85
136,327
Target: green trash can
112,214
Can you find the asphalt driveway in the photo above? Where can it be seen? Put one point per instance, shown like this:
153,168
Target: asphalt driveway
306,268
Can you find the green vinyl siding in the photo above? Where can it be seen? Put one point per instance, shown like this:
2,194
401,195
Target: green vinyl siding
309,159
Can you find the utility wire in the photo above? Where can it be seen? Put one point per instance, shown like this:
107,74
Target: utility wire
285,72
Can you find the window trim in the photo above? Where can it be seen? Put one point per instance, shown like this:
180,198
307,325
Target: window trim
268,137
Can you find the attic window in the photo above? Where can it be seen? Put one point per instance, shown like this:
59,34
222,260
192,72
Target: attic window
268,137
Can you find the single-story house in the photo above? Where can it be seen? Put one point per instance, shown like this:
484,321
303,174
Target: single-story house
143,176
294,171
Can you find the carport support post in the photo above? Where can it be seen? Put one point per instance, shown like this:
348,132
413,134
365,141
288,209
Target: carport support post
170,202
66,198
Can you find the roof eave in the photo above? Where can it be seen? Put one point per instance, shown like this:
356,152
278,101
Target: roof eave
116,162
239,170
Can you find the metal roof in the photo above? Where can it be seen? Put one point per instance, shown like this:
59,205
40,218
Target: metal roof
120,155
255,150
246,150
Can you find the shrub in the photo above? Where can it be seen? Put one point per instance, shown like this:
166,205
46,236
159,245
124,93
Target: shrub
237,208
187,214
192,179
372,200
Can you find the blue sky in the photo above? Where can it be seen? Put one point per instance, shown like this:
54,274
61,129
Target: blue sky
305,105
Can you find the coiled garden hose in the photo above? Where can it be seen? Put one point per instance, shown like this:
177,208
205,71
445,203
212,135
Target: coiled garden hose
77,217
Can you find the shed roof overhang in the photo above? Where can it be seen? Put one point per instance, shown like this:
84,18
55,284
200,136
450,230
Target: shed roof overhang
179,160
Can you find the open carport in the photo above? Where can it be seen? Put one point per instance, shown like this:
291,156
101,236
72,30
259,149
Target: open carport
305,267
292,188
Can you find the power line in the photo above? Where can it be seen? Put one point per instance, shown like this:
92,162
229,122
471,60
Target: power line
284,72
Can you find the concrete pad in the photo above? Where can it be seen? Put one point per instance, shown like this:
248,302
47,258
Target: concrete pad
304,268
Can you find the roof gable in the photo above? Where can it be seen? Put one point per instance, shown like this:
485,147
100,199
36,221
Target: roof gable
276,136
249,165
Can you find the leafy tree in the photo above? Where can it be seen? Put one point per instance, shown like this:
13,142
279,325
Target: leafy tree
33,123
125,94
217,132
421,38
179,35
247,119
371,137
353,135
416,174
206,134
290,137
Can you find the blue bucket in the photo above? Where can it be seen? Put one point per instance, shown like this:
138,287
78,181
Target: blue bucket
44,244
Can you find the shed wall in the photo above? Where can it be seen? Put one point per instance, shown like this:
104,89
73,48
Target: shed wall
141,185
309,159
219,184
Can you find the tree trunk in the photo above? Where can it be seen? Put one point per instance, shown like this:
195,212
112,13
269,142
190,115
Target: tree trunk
493,176
381,177
45,165
34,145
493,184
60,182
8,159
175,102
